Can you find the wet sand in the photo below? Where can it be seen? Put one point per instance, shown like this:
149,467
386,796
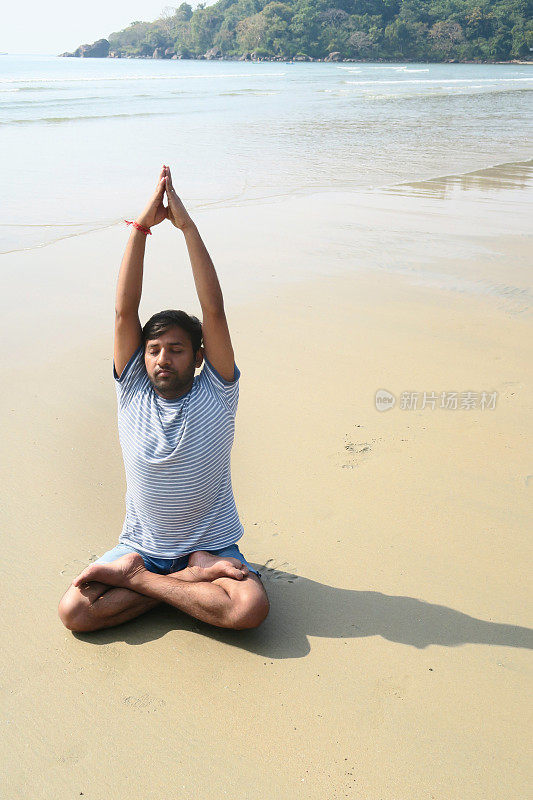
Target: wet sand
393,545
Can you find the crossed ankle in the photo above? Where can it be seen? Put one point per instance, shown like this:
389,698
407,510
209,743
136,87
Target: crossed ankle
190,574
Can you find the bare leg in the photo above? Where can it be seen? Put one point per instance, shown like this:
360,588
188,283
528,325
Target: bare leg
96,605
225,602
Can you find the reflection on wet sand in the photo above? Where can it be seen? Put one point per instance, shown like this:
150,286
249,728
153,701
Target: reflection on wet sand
465,233
514,175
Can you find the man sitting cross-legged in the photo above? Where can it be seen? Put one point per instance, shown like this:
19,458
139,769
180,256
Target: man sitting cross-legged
178,542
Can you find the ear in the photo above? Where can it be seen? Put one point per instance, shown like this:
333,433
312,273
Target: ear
199,357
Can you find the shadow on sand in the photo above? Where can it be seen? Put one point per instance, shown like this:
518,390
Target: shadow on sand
301,607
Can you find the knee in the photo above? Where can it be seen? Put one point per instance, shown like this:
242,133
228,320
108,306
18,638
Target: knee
250,612
71,612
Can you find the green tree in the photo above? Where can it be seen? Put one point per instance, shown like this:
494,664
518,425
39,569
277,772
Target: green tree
382,29
445,35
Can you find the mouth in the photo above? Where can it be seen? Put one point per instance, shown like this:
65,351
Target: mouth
163,373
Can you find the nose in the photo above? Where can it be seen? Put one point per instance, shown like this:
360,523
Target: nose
163,357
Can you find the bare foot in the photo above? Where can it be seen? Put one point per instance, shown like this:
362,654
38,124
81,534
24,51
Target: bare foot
113,573
213,566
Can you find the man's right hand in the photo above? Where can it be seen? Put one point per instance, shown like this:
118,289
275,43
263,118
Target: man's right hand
155,212
176,211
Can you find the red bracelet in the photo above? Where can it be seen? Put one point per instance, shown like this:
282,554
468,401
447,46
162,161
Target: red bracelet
140,228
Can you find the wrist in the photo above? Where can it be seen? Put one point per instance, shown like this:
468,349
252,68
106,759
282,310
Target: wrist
188,226
142,222
138,228
138,234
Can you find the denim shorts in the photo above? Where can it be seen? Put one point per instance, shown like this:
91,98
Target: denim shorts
165,565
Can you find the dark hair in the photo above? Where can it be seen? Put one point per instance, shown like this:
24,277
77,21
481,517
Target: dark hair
161,322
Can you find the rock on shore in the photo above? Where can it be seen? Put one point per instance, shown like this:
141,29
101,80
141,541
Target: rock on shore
99,49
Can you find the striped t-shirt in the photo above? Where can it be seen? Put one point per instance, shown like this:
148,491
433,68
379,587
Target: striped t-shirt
179,496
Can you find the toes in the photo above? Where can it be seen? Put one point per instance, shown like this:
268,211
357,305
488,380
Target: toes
229,570
82,578
236,569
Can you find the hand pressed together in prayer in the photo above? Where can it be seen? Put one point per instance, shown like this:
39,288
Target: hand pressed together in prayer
156,211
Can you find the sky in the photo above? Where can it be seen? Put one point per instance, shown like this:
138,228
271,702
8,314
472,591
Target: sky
33,26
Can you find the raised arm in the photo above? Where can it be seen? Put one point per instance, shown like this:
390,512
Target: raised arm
130,279
217,341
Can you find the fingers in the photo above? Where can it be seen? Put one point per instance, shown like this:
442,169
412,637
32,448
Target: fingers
168,178
161,178
161,182
161,186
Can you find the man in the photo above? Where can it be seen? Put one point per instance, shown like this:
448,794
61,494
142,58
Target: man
178,543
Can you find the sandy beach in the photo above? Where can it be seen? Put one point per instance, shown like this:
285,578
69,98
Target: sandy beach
394,663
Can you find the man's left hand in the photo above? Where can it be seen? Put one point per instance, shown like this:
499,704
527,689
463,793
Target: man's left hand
155,212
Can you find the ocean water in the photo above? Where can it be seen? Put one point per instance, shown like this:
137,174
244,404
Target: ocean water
82,140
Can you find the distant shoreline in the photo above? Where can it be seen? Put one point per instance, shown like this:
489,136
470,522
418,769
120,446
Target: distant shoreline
277,59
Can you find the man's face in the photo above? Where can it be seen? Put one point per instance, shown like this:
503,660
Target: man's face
170,363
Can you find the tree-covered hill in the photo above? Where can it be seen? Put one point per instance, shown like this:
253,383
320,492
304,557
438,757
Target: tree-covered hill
395,30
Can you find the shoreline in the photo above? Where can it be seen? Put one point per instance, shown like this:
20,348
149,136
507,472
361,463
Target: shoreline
279,59
445,235
372,191
515,61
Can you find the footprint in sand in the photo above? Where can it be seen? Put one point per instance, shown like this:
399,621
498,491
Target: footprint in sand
356,453
73,567
70,759
144,703
272,572
76,566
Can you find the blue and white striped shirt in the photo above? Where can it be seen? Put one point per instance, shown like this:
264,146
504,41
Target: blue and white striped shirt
179,495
